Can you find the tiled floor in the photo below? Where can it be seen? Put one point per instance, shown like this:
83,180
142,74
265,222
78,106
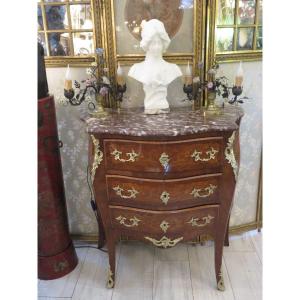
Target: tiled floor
183,272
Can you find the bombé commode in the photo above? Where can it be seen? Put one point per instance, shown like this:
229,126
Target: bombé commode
164,179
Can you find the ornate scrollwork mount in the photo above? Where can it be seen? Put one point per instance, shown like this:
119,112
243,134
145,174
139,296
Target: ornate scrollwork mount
229,155
134,221
164,197
210,155
132,156
164,242
206,220
205,192
98,157
110,280
220,284
131,193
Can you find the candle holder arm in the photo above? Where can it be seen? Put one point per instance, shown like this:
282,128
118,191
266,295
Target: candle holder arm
80,97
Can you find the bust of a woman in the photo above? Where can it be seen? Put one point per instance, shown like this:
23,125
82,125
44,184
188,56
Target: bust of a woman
154,72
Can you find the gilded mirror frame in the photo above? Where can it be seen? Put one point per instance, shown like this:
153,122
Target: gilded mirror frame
236,55
211,57
98,38
110,46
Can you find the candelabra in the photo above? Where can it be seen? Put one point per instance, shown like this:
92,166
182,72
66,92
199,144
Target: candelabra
77,99
215,86
100,90
97,84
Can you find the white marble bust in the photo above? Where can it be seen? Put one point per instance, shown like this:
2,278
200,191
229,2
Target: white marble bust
154,72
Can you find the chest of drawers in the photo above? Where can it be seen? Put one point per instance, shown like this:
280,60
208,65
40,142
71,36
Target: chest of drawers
164,179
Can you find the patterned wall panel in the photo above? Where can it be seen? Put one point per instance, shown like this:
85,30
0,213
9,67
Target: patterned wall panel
244,207
73,154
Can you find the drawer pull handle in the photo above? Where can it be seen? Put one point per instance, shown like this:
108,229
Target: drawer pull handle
206,221
131,156
164,241
119,190
210,154
134,221
164,160
164,197
202,193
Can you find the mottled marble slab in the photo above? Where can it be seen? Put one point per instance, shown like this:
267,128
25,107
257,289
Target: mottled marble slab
180,121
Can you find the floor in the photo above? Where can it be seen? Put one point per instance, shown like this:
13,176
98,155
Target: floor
183,272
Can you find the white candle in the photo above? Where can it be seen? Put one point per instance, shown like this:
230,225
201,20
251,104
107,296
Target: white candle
119,70
239,77
188,71
188,75
120,76
68,73
68,81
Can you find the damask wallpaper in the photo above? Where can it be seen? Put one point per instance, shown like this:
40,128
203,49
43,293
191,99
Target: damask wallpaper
244,207
75,145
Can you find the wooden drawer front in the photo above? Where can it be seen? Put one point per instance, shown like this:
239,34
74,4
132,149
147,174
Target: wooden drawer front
121,155
171,222
163,194
164,157
194,155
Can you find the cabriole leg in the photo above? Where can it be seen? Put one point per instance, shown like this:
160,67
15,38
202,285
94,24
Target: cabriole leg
218,262
101,233
111,247
226,241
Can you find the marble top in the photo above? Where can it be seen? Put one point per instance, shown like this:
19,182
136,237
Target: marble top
179,121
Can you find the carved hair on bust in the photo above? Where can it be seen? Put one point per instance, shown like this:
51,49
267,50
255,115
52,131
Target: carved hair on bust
149,30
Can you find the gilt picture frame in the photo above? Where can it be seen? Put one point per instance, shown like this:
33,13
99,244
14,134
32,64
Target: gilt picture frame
116,14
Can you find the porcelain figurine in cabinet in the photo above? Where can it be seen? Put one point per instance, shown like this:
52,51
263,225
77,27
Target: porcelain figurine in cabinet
154,72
